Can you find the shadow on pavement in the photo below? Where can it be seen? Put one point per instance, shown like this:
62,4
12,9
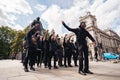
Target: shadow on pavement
107,75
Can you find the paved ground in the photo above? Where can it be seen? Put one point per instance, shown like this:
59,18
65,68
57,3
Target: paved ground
13,70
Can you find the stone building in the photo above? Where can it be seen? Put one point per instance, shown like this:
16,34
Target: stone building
106,40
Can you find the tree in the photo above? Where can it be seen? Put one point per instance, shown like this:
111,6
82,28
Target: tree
6,37
17,43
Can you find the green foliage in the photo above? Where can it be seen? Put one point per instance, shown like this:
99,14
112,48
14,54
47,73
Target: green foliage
17,42
6,37
11,41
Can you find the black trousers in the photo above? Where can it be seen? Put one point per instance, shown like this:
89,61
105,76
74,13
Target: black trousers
83,51
67,57
96,56
54,55
46,52
23,56
75,57
29,58
39,56
60,56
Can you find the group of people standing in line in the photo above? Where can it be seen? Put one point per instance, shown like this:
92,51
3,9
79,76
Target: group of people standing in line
43,48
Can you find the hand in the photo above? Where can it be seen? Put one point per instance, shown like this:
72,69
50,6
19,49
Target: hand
47,31
94,43
53,33
63,22
70,36
65,35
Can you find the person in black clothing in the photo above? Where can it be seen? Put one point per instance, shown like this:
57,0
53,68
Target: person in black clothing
67,54
96,53
46,49
70,52
24,49
23,55
65,50
31,48
52,51
81,35
40,50
74,53
59,51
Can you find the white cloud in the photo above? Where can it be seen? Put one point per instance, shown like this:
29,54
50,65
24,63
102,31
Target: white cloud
15,6
6,19
54,15
9,9
106,13
18,27
40,7
117,29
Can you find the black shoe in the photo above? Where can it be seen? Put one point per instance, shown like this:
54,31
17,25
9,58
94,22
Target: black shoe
55,67
38,66
89,72
45,66
82,73
49,67
70,66
33,69
26,70
66,66
61,65
76,65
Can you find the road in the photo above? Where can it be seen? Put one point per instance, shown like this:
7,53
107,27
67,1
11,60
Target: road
13,70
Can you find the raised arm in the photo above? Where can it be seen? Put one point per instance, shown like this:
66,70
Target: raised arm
64,40
46,35
70,29
51,36
90,37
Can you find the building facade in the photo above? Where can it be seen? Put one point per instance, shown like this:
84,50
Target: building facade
107,40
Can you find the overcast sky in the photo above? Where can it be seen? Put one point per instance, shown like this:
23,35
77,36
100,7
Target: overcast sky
19,13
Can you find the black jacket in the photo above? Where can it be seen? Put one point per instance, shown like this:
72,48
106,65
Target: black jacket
66,45
29,41
52,44
81,34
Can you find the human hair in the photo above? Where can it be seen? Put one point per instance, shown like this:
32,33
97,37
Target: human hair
82,23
